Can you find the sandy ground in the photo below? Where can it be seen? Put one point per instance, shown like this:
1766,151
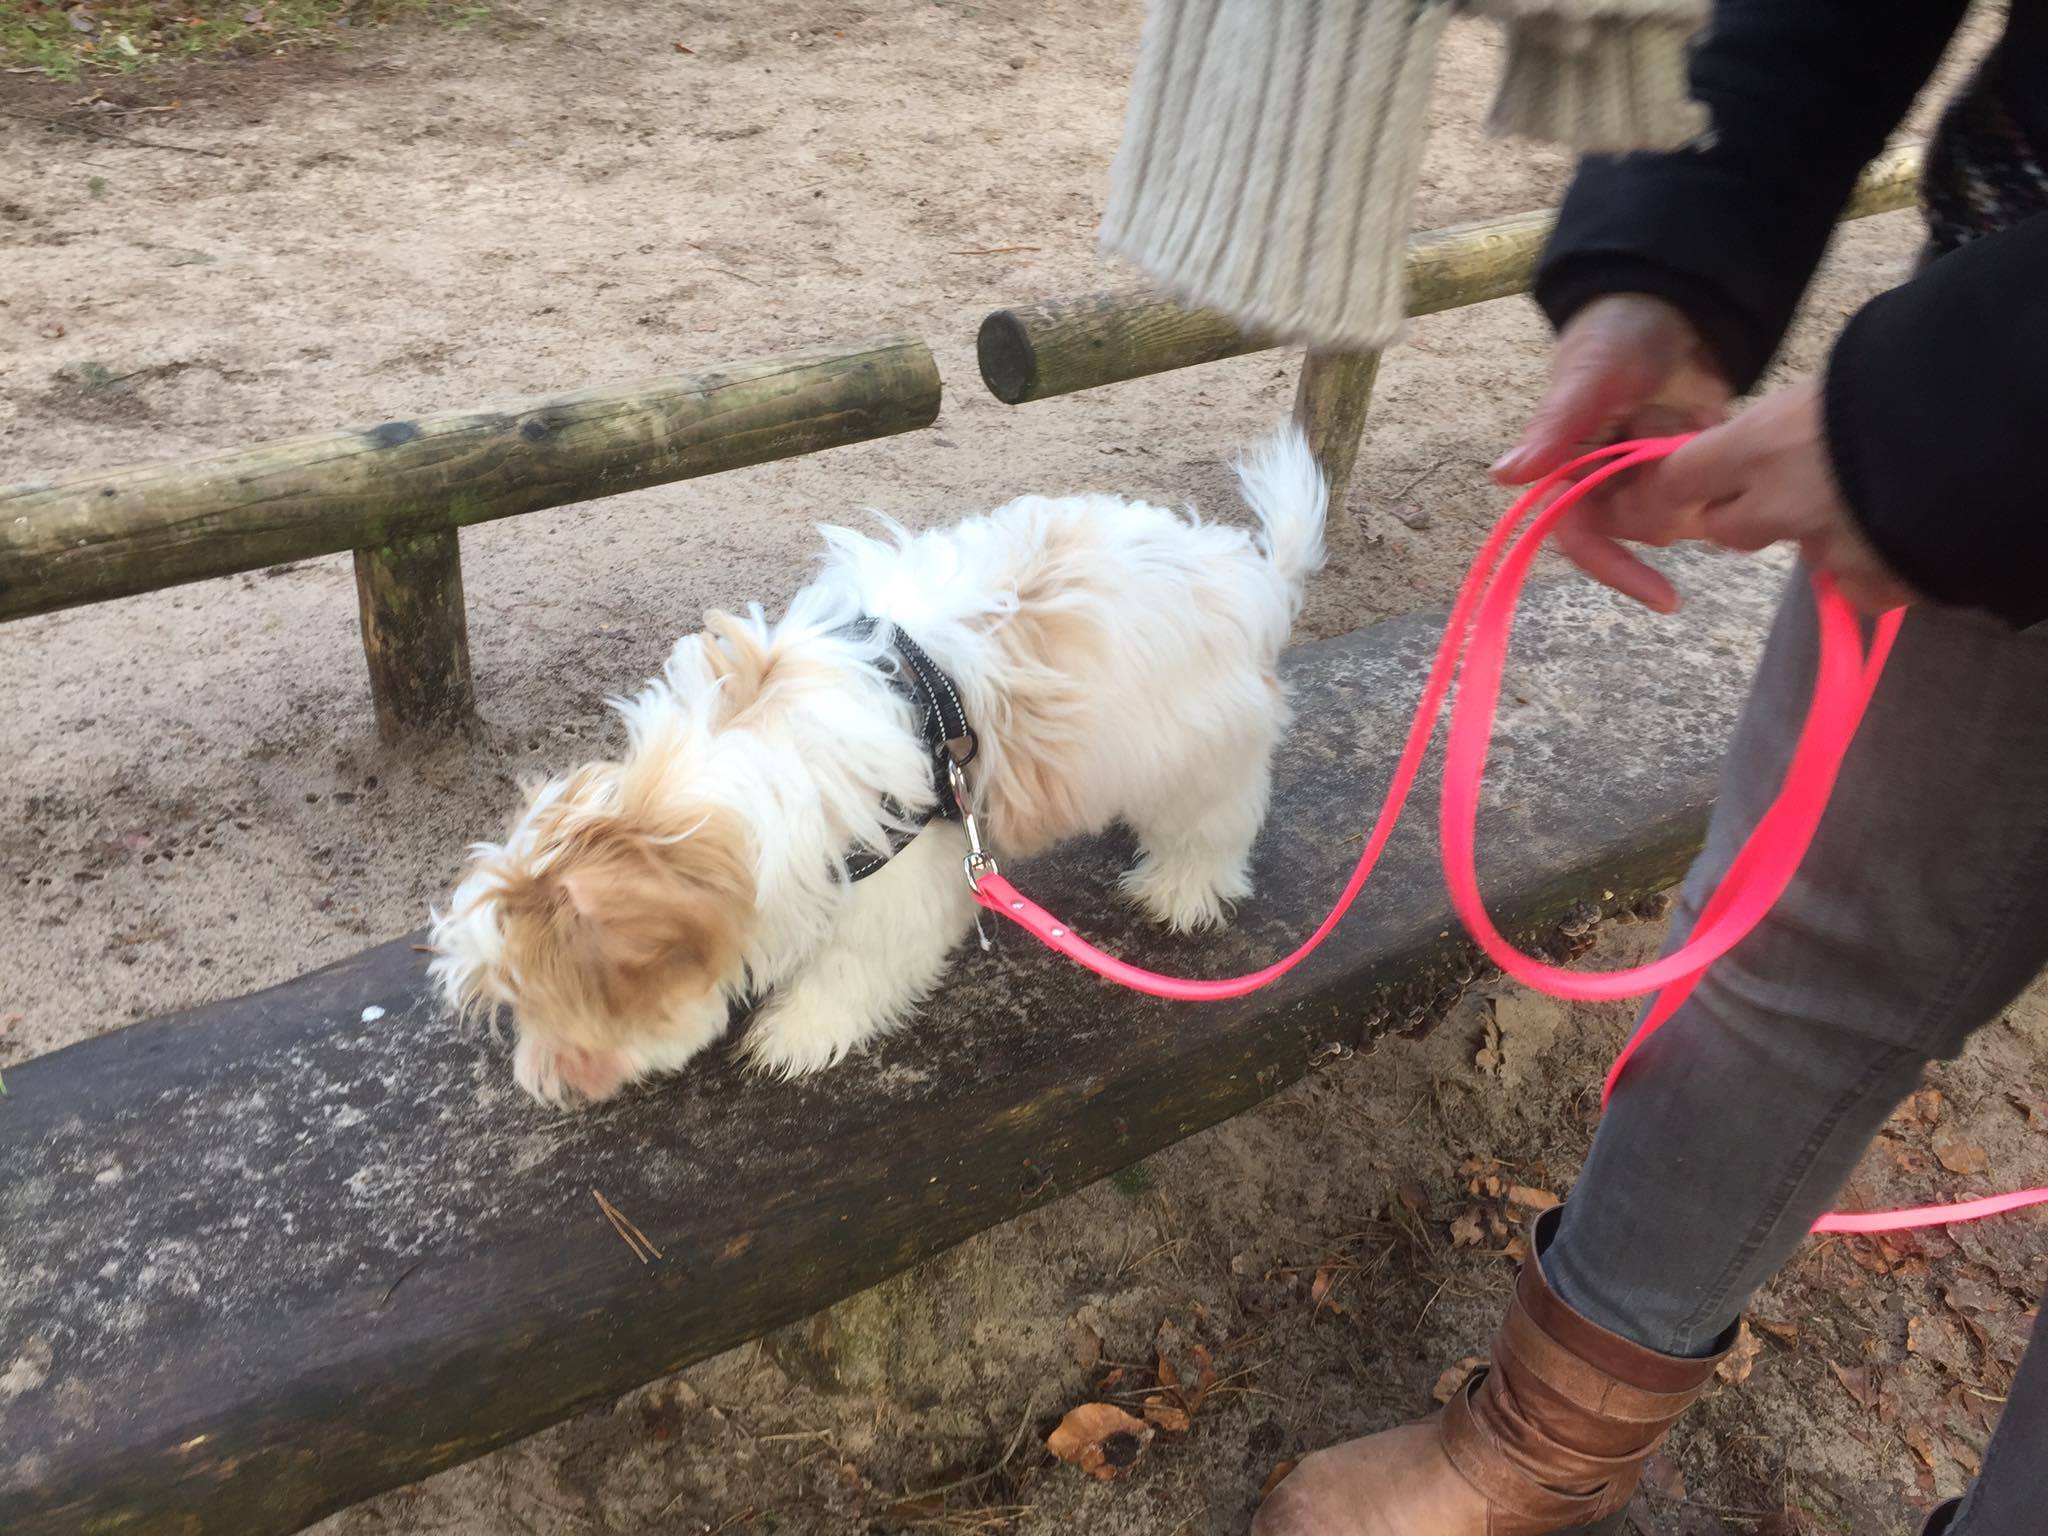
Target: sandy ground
197,804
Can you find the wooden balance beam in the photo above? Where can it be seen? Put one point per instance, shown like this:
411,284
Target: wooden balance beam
263,1259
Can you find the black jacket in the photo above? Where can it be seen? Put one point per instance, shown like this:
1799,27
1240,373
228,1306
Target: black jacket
1937,392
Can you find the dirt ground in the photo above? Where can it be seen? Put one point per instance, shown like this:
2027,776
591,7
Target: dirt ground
591,191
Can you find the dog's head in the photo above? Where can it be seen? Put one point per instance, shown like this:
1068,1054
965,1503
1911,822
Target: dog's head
609,922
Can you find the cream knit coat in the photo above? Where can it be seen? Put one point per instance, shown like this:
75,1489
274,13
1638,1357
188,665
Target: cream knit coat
1270,153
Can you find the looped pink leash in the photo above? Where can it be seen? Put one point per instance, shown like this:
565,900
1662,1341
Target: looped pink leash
1473,653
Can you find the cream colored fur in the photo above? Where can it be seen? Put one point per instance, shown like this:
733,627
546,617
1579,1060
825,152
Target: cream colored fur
1118,661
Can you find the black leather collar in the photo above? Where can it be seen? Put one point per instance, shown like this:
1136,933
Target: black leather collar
942,722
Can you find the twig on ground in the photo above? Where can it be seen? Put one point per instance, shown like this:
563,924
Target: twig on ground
1432,1300
995,250
974,1478
118,138
1412,484
410,1270
632,1236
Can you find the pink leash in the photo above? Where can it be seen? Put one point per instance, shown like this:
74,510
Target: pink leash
1481,621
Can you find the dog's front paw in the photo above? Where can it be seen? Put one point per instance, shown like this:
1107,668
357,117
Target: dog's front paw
1185,896
801,1033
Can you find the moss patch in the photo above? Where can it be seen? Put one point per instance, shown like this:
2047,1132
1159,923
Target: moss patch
121,36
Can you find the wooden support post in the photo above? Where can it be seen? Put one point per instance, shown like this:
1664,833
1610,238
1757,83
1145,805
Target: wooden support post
1330,405
415,633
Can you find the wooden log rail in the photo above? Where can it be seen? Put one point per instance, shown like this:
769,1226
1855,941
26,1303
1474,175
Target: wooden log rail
397,493
262,1260
1037,351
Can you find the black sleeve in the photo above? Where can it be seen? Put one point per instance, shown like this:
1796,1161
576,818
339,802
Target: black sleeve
1803,95
1936,401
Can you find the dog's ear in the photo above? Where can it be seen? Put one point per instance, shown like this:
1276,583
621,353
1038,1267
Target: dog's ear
635,908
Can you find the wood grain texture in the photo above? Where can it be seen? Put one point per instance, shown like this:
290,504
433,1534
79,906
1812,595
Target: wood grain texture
416,634
266,1258
1036,351
156,525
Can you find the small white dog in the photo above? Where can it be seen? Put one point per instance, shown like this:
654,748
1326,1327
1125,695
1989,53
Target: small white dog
1114,661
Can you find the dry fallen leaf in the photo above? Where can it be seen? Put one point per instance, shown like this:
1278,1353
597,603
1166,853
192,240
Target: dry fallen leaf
1939,1340
1961,1156
1086,1345
1970,1290
1920,1443
1975,1409
2034,1109
1922,1108
1099,1438
1319,1291
1965,1455
1740,1360
1517,1250
1532,1199
1855,1380
1907,1159
1786,1333
1205,1380
1277,1476
1447,1385
1662,1477
1414,1197
1467,1231
1161,1414
1886,1253
1488,1058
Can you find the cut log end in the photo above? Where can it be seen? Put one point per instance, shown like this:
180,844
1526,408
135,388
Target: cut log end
1008,367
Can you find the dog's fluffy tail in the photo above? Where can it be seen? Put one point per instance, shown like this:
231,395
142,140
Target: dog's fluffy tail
1284,487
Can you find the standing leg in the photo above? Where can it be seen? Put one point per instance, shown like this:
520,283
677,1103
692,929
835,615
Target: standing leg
1919,913
1196,837
886,953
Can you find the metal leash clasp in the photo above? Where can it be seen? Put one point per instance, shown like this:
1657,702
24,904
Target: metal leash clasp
979,863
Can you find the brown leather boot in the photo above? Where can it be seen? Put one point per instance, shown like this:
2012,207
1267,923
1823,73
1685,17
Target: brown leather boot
1548,1440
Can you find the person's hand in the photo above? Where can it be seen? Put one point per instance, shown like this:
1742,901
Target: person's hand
1766,478
1626,366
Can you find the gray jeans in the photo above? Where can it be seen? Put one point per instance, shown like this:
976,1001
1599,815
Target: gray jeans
1920,913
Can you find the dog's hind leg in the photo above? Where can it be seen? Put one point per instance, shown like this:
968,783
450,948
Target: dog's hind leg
886,953
1196,840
